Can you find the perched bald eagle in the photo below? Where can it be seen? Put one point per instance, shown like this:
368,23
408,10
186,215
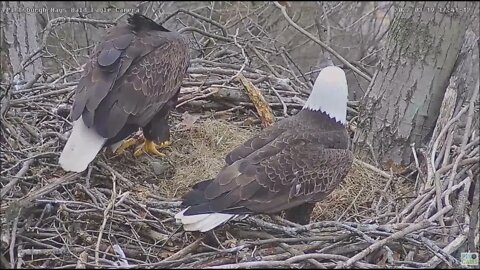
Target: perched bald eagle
132,81
289,166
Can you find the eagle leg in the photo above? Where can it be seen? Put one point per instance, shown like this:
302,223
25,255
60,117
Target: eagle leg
300,214
126,144
152,148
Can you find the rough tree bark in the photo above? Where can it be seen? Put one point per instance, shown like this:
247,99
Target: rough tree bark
20,36
404,98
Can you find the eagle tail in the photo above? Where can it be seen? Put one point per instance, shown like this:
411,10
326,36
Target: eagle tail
202,222
82,147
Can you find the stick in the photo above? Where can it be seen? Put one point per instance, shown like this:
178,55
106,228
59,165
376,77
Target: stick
17,177
289,262
473,226
198,16
373,247
452,247
129,183
186,250
285,109
377,207
373,168
13,239
27,199
296,252
263,108
105,217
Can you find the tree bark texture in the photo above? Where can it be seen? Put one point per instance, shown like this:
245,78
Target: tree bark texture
20,36
403,101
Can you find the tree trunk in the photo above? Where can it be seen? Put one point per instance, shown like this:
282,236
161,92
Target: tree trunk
403,101
20,33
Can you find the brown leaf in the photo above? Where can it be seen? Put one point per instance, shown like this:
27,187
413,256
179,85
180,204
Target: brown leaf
188,120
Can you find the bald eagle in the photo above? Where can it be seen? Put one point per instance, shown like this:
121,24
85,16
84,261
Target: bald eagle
132,81
289,166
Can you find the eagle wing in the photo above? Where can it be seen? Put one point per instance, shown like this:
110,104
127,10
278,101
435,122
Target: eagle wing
267,135
292,169
130,76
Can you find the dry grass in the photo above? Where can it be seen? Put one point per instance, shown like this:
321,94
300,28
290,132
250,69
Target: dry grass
355,199
199,153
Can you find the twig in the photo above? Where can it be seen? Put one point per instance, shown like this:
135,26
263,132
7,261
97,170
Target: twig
329,35
186,250
303,31
245,61
120,253
309,83
105,217
198,16
285,109
213,92
117,174
296,252
17,177
32,81
466,136
373,247
43,95
377,207
194,29
377,170
288,262
351,204
264,60
26,200
473,226
450,248
442,132
13,239
268,225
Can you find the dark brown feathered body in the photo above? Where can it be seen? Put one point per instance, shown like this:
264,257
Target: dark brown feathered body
132,76
299,160
131,81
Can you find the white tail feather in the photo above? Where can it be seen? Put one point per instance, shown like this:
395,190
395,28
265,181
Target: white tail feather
202,222
82,147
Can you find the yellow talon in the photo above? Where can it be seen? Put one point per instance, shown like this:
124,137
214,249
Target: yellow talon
164,144
151,148
126,144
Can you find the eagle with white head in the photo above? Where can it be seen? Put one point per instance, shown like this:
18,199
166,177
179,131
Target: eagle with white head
287,167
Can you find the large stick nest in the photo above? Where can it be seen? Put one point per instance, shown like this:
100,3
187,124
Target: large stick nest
119,213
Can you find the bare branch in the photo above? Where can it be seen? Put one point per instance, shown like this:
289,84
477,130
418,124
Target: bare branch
339,57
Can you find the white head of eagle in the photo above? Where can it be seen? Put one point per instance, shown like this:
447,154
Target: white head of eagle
330,94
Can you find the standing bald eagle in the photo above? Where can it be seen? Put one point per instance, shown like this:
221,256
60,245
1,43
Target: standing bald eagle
132,81
289,166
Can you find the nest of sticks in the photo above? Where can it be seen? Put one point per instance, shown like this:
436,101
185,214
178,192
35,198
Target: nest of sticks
119,213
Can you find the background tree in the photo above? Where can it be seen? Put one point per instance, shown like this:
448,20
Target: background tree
19,26
403,101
